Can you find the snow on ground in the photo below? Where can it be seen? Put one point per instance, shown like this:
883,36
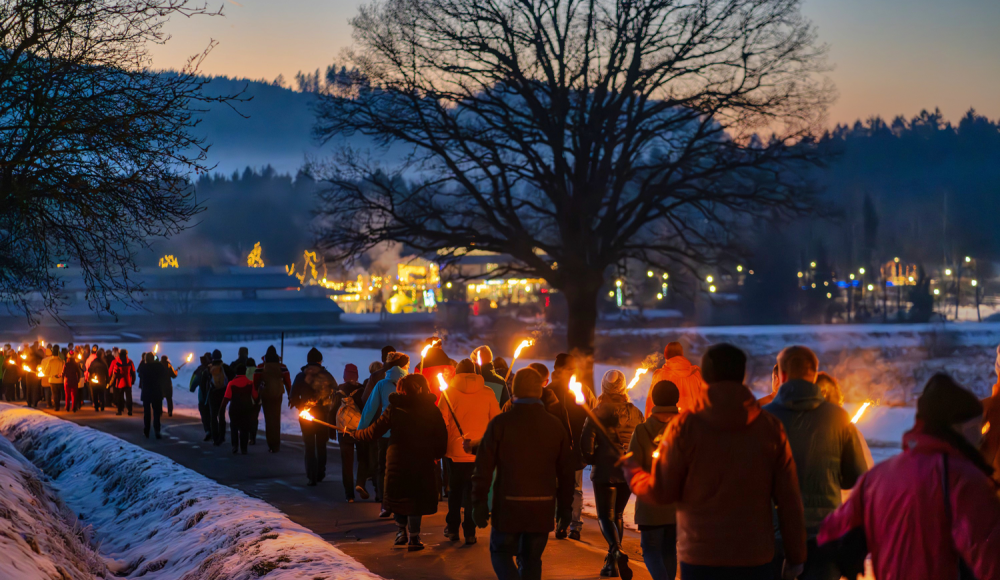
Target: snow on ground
157,520
40,538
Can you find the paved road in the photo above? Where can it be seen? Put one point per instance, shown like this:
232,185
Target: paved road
354,528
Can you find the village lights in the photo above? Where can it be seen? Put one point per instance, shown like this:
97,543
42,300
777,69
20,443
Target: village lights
828,295
618,283
812,264
852,276
666,276
826,283
947,272
649,273
711,288
895,260
861,270
659,296
968,259
871,287
739,268
975,282
709,279
447,285
937,292
813,284
910,278
611,294
800,274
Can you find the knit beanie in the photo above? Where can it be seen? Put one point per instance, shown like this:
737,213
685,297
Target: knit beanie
564,360
665,394
613,383
944,403
350,374
385,352
314,356
216,355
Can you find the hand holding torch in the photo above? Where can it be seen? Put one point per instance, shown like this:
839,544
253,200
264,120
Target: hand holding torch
308,417
577,389
524,344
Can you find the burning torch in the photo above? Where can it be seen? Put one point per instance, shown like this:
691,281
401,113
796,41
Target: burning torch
423,354
639,372
861,411
187,359
577,389
444,393
524,344
308,417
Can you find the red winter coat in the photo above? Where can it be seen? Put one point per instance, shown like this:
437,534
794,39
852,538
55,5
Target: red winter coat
123,374
900,507
687,377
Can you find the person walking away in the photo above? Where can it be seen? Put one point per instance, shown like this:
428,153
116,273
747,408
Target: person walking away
775,383
216,380
33,382
168,384
990,446
565,367
833,394
122,372
930,512
723,466
313,389
375,376
198,381
611,492
347,407
52,367
241,360
251,371
436,361
679,371
98,371
530,454
369,450
417,439
399,364
272,381
488,371
152,377
240,396
657,523
473,406
12,375
71,381
827,452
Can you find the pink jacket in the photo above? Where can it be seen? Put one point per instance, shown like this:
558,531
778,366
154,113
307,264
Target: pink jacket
474,405
900,507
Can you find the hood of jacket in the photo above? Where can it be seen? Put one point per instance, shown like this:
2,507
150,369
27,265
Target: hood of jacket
799,395
467,383
394,374
731,406
679,366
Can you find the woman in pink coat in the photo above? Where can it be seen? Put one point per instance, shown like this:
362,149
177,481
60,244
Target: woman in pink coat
931,512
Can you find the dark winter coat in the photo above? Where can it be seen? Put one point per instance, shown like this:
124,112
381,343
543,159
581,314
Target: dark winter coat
152,377
272,381
353,390
620,418
208,382
99,370
198,382
897,513
645,441
373,380
827,451
72,373
495,382
168,384
576,416
419,437
529,451
313,389
241,395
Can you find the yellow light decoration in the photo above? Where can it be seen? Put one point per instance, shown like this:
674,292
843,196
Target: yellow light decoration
254,259
169,261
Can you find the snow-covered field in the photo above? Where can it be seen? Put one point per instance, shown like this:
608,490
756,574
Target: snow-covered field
152,518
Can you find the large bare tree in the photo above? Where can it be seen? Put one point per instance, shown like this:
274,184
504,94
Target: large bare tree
95,145
572,134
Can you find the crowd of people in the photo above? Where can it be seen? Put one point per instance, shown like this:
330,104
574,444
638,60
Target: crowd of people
726,485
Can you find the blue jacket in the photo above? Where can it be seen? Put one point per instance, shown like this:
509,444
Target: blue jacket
378,402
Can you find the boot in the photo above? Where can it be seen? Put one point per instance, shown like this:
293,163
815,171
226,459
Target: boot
401,537
414,544
610,533
620,558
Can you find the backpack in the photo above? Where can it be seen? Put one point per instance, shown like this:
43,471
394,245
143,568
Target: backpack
272,386
348,416
219,380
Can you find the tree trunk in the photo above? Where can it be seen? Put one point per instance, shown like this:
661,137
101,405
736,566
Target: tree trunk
582,323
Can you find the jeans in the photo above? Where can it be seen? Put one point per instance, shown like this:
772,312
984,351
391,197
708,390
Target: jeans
460,496
820,563
218,419
239,429
383,449
124,399
100,398
576,524
693,572
314,437
151,410
347,447
272,422
526,548
71,399
411,523
659,550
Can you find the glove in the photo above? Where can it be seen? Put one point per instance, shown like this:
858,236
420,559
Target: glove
791,571
481,515
564,518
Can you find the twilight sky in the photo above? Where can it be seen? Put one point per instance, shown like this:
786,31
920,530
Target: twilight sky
891,56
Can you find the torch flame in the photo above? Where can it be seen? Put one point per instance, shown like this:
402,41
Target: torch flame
441,382
41,342
24,356
156,348
656,453
524,344
26,368
577,388
307,415
423,353
479,358
190,357
79,357
986,427
638,374
861,411
40,373
12,362
94,380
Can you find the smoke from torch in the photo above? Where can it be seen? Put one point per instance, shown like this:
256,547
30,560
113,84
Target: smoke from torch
638,374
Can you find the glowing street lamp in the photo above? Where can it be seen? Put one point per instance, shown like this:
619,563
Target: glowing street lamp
711,289
649,273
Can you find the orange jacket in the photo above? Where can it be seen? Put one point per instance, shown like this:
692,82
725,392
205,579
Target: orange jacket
474,405
687,377
724,466
990,447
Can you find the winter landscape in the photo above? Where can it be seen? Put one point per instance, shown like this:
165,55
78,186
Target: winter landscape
524,289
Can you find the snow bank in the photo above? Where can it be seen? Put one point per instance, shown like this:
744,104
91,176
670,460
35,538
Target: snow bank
157,520
39,537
